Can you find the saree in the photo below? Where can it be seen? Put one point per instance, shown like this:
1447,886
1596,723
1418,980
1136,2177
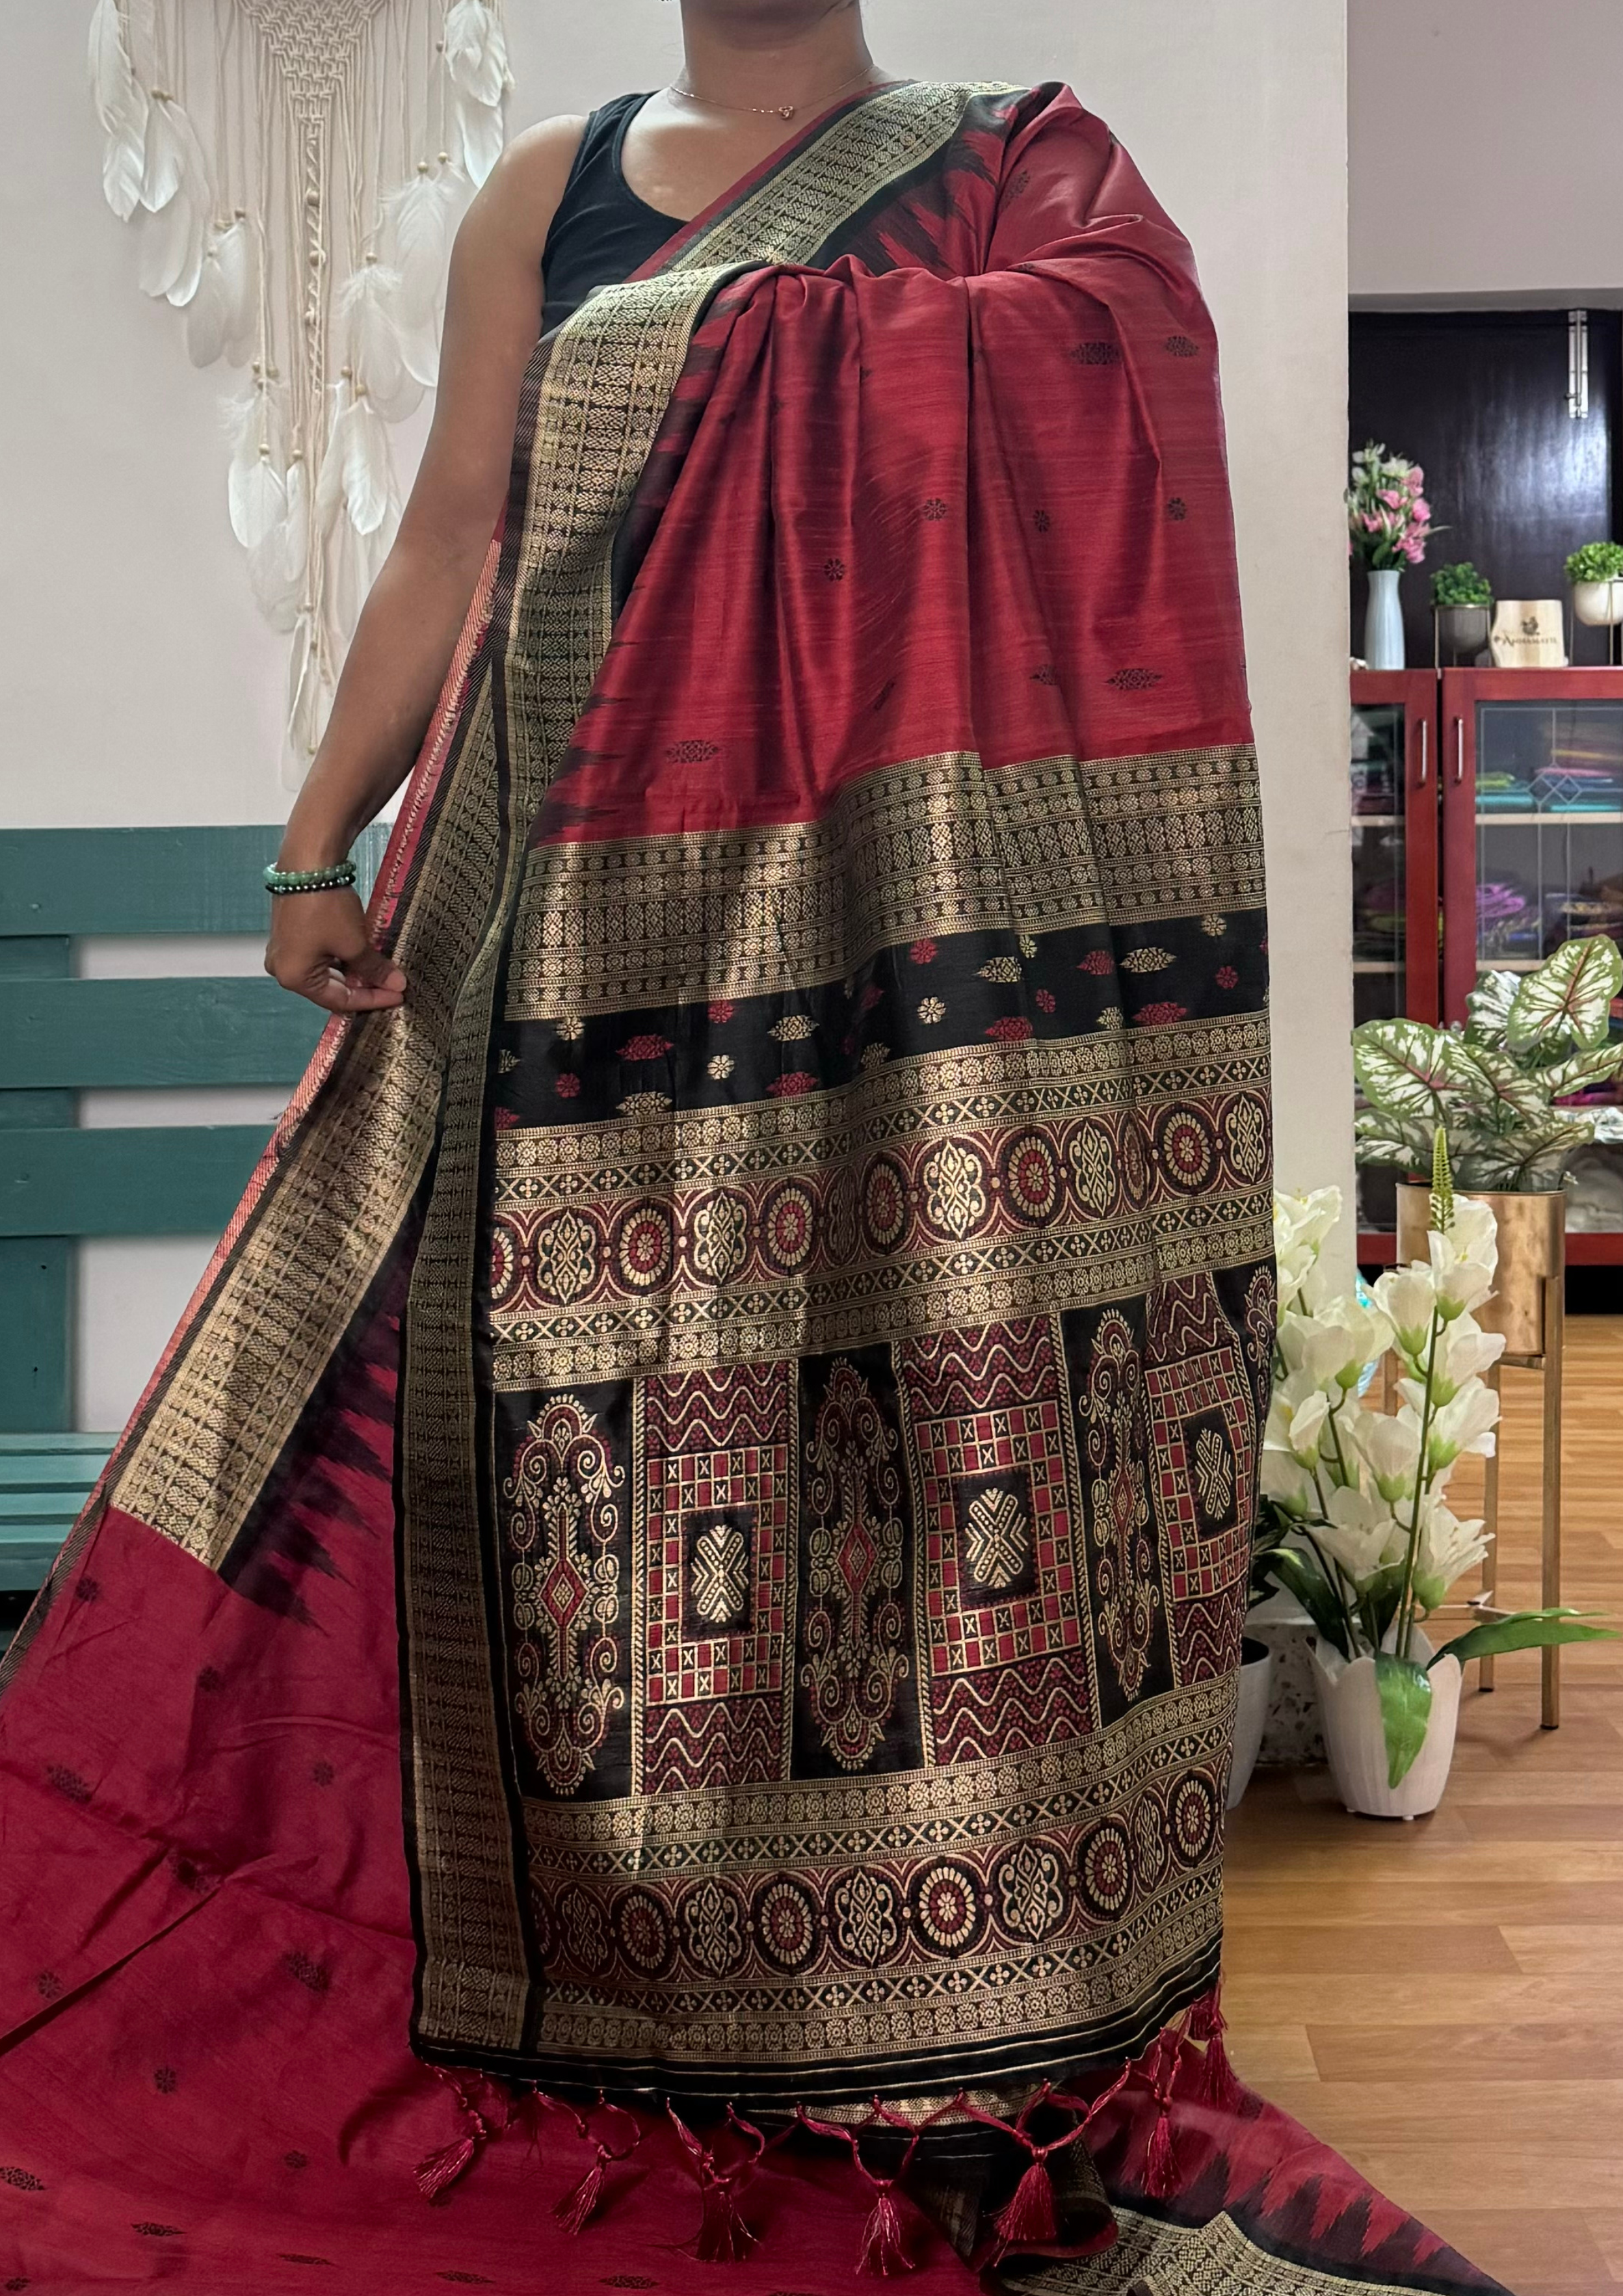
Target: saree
688,1556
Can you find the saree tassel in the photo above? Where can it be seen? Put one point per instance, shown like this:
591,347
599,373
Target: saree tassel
1030,2219
882,2252
440,2170
724,2236
1160,2168
576,2210
1217,2085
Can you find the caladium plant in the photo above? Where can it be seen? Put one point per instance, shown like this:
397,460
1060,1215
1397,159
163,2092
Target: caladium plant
1501,1087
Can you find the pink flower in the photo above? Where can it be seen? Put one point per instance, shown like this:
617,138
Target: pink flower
1417,478
1227,978
1372,524
871,996
645,1048
721,1013
791,1087
504,1119
1044,1000
1158,1016
1421,511
922,952
1392,500
1098,962
569,1086
1011,1031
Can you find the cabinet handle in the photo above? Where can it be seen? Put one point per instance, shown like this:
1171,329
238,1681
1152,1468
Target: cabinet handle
1459,751
1425,753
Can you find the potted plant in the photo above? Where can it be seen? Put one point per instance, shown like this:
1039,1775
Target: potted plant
1388,522
1366,1542
1502,1089
1464,604
1596,575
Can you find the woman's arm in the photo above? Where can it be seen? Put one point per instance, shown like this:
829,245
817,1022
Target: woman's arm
407,633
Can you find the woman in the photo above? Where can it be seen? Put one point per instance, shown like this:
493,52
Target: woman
766,1286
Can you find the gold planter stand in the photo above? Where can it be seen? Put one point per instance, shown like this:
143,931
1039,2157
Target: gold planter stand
1530,1307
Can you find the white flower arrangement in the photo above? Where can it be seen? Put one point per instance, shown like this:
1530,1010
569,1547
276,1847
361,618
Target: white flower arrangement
1355,1522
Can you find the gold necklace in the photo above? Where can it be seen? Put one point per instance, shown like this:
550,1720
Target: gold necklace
769,111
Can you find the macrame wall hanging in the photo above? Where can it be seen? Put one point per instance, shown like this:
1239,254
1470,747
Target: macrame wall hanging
296,171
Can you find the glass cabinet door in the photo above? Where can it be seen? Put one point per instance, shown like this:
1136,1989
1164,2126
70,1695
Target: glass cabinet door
1535,786
1380,921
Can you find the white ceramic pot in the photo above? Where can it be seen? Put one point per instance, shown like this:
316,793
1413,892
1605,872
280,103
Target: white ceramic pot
1356,1739
1250,1716
1599,606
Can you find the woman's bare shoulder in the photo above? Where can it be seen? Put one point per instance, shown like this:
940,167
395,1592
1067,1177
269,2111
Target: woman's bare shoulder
520,198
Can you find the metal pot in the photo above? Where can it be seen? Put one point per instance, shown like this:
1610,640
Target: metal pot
1464,630
1532,1248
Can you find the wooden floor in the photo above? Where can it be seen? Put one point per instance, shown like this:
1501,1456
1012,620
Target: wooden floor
1443,2001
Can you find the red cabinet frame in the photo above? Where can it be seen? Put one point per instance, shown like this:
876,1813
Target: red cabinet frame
1415,692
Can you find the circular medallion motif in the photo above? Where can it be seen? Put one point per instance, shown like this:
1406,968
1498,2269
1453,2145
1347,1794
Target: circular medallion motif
947,1908
583,1932
642,1250
1186,1148
785,1923
642,1931
1031,1173
713,1929
884,1203
504,1261
1104,1869
788,1227
1194,1819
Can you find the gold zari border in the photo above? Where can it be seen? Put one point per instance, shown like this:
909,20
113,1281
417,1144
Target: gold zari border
938,845
1154,2257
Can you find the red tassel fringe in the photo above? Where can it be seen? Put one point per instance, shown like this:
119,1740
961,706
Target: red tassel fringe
1218,2087
440,2170
1160,2168
882,2252
1030,2219
576,2210
724,2236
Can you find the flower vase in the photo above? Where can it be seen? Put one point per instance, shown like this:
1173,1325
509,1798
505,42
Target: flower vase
1250,1715
1383,644
1354,1736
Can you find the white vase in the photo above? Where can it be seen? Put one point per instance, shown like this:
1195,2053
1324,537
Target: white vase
1250,1716
1383,647
1355,1737
1598,605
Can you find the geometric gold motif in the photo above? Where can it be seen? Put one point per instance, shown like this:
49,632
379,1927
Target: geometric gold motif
720,1572
1214,1472
998,1539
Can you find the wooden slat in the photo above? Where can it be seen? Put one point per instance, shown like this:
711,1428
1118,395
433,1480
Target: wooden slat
180,1182
68,1441
40,1507
111,1033
36,1271
79,882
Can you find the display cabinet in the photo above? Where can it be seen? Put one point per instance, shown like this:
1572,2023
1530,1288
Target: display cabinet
1488,828
1396,893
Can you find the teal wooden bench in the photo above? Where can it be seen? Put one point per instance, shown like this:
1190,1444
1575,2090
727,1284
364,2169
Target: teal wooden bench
58,1184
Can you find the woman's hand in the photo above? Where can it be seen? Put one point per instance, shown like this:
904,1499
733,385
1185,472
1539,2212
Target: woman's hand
319,948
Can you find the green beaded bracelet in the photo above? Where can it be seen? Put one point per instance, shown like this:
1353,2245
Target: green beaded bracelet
338,879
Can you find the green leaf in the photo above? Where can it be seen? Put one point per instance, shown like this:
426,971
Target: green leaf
1568,1001
1405,1709
1528,1159
1506,1092
1582,1070
1526,1630
1487,1008
1383,1139
1404,1069
1300,1575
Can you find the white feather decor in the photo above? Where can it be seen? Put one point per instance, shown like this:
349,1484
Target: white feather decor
294,171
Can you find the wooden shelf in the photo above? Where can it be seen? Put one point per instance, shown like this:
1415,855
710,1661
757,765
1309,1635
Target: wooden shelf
1561,815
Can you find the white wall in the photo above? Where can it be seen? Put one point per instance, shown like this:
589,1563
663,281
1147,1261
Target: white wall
140,687
1485,150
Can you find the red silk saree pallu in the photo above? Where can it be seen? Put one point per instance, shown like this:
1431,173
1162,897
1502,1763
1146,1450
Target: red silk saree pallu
744,1395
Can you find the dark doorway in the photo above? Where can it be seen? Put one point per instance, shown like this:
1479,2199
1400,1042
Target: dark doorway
1479,398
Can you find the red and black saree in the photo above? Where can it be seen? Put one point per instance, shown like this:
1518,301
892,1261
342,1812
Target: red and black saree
745,1394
